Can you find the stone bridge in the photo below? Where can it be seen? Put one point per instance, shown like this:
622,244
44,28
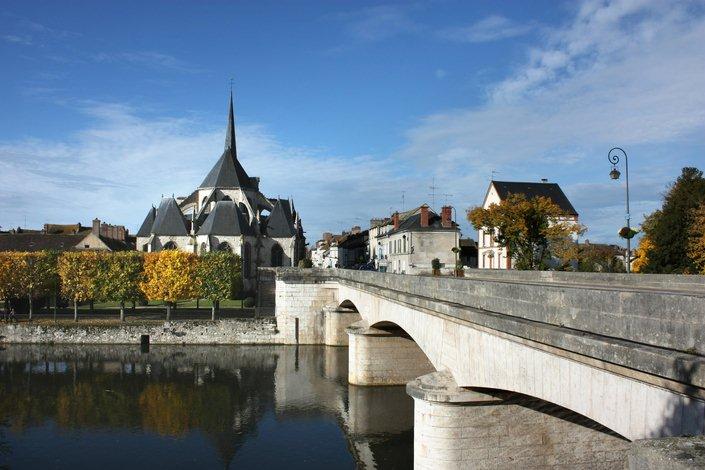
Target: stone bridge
625,351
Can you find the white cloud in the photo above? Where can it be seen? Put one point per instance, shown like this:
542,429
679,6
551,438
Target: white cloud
116,168
380,22
151,59
16,39
491,28
441,73
626,73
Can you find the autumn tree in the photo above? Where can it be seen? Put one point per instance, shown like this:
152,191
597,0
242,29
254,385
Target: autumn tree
696,240
170,276
35,275
78,271
640,257
219,276
119,277
669,228
528,228
599,258
8,287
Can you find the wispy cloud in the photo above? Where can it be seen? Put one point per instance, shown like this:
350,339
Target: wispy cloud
491,28
622,72
120,165
16,39
153,59
379,22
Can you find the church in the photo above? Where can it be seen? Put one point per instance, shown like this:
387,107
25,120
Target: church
227,212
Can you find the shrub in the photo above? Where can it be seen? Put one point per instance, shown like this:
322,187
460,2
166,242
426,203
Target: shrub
249,302
305,263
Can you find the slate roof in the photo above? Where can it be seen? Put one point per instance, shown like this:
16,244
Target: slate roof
117,245
190,199
169,219
40,241
532,190
146,227
280,223
226,218
413,223
227,171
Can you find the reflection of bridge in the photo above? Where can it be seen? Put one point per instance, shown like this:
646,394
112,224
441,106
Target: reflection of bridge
624,351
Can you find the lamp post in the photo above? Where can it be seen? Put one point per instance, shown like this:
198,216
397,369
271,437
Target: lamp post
613,157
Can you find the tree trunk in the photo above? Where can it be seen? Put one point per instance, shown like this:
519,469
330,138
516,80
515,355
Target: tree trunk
198,303
90,307
213,310
56,304
75,310
134,305
31,307
122,311
168,311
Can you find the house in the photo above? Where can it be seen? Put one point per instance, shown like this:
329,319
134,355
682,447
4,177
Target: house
346,250
71,237
407,244
490,254
227,212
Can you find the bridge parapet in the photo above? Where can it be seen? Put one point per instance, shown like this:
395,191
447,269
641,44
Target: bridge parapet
647,323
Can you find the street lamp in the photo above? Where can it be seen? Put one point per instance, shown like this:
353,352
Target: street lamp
615,174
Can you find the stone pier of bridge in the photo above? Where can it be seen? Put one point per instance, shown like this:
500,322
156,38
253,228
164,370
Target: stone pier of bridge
625,352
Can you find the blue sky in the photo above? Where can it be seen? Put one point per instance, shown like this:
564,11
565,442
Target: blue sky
345,105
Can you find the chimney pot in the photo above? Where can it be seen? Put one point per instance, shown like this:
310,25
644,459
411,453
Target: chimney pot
446,216
424,216
544,180
395,220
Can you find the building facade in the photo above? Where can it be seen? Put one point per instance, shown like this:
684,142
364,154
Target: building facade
228,212
490,254
408,244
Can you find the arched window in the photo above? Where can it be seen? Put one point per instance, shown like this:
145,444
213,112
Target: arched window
277,256
226,198
245,212
170,246
204,247
203,202
246,260
224,246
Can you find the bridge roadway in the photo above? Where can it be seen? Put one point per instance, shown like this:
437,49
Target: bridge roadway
625,351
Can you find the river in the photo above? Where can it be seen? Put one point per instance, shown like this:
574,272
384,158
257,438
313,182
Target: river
116,407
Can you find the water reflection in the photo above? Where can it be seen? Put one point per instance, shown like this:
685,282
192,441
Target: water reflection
244,407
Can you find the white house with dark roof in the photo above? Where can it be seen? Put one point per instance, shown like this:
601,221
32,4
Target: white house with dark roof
227,212
492,256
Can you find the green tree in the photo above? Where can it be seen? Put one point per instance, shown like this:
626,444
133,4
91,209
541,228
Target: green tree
119,277
528,228
78,271
696,241
599,258
8,279
219,275
170,276
669,228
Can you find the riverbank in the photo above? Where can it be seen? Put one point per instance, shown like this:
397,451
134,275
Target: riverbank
226,331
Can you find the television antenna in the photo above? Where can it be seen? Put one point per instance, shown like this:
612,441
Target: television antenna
433,188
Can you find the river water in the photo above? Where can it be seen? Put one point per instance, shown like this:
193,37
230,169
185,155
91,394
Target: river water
213,407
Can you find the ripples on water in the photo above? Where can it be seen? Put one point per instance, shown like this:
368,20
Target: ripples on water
257,407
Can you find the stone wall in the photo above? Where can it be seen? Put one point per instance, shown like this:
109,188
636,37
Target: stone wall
299,304
237,331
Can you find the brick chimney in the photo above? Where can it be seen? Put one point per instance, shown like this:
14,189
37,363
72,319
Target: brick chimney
446,217
424,216
395,220
96,227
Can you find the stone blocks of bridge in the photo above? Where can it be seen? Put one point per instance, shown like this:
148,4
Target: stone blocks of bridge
383,357
458,428
335,323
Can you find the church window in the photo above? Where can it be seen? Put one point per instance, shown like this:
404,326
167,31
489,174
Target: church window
243,209
277,256
170,246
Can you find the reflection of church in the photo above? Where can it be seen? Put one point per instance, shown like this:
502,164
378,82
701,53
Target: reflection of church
227,212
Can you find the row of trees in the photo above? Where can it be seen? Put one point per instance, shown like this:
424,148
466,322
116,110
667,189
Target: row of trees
673,238
122,277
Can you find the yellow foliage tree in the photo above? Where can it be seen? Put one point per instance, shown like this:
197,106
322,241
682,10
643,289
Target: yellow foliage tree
78,271
170,276
7,278
641,254
696,239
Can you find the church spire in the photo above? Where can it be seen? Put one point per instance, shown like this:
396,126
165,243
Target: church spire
230,133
